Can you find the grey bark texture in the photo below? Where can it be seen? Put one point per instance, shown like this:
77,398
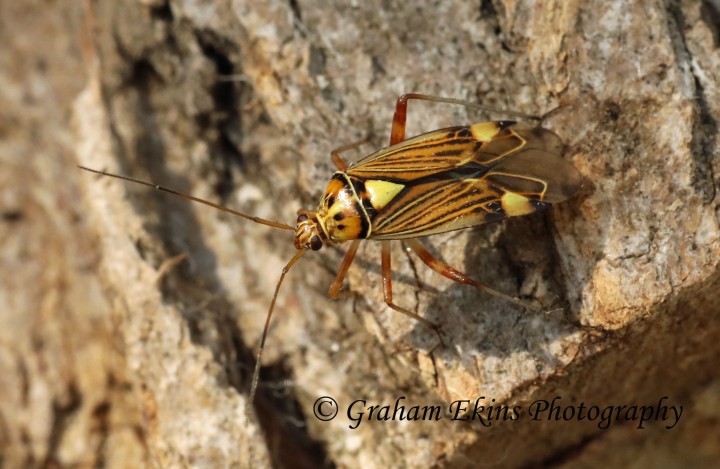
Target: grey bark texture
130,318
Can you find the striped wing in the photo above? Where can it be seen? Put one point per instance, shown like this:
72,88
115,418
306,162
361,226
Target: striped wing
477,146
516,172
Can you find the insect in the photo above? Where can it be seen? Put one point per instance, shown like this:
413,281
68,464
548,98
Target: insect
440,181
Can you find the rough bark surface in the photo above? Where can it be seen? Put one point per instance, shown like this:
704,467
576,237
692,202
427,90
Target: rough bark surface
116,352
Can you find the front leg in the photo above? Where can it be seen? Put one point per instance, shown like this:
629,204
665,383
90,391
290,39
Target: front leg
337,284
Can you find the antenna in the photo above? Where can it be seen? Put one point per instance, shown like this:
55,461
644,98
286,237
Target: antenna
158,187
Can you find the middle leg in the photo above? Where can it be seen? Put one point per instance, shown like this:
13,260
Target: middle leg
335,154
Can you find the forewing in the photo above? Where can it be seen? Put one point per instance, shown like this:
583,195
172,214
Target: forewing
425,155
435,207
510,176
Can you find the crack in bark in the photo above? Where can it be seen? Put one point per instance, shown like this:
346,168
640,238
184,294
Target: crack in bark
280,416
62,412
567,455
705,129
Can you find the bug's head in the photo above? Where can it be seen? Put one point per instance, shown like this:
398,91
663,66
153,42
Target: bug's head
308,236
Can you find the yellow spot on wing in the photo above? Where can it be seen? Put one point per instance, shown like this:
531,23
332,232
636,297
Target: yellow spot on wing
382,192
484,131
516,205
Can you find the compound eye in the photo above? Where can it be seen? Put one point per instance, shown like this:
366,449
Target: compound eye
302,218
315,243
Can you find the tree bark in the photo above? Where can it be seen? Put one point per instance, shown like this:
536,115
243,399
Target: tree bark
134,316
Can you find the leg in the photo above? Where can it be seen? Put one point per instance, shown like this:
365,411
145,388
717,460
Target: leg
387,291
459,277
334,291
397,134
335,154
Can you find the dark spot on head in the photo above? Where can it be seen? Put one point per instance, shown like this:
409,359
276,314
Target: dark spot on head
302,218
339,216
358,185
364,221
368,206
315,243
341,227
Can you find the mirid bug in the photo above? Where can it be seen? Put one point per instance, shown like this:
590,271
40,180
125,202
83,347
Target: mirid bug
439,181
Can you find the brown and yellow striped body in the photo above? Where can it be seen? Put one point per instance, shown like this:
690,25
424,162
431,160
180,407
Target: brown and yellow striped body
447,180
